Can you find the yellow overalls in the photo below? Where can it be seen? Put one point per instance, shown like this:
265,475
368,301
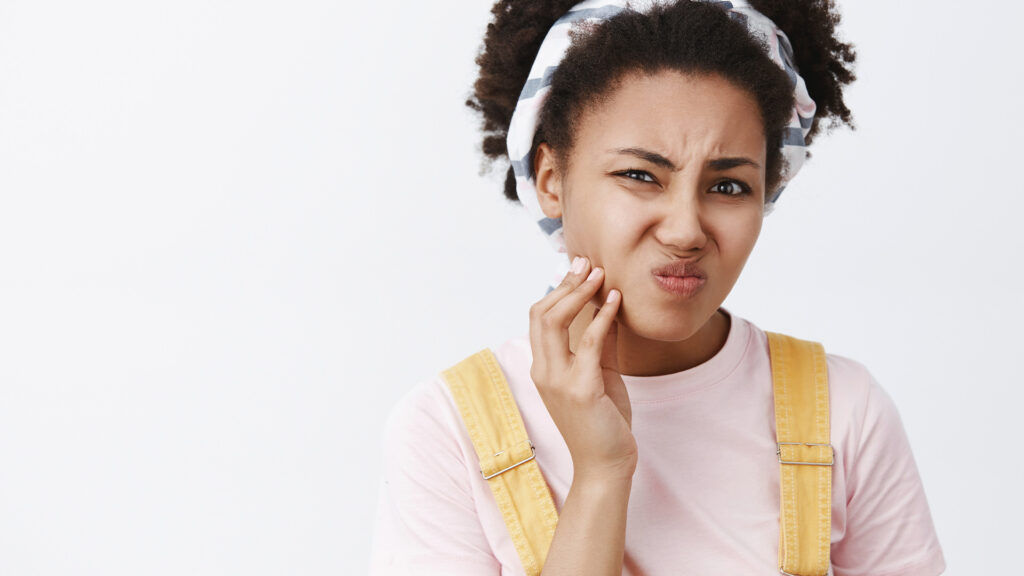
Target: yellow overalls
800,380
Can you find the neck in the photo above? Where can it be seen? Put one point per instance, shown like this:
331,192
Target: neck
639,356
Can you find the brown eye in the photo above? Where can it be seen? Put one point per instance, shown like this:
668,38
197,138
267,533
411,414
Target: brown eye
632,172
731,188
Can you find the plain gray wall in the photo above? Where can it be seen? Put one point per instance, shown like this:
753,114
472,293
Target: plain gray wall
233,234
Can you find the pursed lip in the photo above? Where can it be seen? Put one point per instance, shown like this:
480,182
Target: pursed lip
680,268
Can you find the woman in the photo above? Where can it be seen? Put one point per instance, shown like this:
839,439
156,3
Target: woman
649,141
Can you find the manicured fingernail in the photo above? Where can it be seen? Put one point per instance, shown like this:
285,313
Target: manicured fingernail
594,273
612,295
577,265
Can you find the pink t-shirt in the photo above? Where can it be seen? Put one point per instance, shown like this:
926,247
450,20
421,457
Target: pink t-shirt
705,495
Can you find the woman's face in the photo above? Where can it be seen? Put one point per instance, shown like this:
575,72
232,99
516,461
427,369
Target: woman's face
669,168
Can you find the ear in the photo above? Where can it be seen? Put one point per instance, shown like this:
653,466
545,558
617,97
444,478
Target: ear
548,181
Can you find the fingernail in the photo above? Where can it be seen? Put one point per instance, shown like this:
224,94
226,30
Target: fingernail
577,265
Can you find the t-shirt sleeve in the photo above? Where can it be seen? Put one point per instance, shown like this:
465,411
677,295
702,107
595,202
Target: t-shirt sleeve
426,521
889,528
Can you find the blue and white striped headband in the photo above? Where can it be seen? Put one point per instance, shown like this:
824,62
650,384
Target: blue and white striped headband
523,126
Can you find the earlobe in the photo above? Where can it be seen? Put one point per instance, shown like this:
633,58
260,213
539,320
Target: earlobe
549,182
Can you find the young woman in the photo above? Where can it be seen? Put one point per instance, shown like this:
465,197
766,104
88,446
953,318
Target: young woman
649,141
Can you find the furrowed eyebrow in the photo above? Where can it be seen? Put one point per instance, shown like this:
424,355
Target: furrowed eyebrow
659,160
652,157
727,163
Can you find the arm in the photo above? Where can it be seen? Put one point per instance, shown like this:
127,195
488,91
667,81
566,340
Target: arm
591,533
576,372
889,528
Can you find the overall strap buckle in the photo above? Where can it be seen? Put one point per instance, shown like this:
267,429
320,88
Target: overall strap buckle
533,454
778,450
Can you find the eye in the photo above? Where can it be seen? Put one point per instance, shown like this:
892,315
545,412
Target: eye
633,171
731,188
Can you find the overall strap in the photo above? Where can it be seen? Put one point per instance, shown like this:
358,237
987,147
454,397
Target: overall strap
800,380
506,455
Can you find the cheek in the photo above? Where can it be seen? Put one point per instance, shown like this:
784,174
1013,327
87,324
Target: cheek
736,237
618,228
601,226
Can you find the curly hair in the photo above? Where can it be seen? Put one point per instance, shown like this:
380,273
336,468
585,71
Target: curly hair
689,36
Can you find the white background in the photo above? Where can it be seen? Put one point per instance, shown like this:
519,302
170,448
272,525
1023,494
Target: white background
232,234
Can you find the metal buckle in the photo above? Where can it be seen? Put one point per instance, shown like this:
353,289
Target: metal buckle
533,454
778,451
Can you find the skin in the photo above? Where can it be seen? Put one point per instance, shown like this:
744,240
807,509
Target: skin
611,317
630,224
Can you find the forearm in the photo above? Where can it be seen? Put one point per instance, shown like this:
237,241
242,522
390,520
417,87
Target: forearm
591,534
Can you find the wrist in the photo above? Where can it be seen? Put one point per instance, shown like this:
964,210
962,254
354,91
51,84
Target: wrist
601,484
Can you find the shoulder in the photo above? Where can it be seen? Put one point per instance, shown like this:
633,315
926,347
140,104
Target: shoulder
427,458
416,408
857,399
864,417
880,517
865,410
427,512
420,427
851,383
426,418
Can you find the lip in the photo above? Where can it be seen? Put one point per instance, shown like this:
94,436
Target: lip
680,268
682,277
685,286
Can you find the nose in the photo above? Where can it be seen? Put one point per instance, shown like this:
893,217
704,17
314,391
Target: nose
682,223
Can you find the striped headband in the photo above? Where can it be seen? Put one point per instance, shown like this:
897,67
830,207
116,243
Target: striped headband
523,126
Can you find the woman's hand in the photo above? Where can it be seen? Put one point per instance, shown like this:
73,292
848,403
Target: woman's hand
583,391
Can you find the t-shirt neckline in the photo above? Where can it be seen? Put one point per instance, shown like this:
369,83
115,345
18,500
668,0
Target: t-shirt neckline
702,376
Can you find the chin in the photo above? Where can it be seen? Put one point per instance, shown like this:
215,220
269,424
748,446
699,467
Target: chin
653,323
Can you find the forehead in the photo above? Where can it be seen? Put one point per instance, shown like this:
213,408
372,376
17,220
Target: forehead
679,115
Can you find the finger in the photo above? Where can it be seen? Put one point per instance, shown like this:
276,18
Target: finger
538,332
610,350
562,314
569,282
600,340
614,387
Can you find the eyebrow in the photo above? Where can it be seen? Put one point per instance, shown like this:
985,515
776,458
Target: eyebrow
659,160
